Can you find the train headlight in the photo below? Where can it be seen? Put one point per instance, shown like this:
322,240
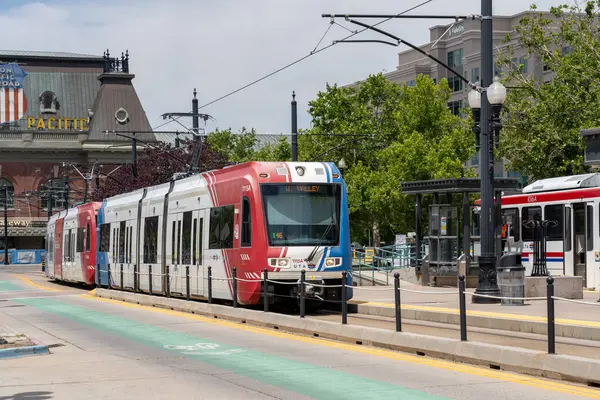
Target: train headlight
331,262
279,262
283,262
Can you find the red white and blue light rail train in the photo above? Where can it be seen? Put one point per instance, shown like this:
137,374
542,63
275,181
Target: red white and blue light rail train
282,216
573,241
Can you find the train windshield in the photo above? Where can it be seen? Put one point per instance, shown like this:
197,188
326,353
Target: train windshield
302,214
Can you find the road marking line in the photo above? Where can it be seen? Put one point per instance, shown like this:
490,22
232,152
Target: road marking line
531,318
390,354
32,283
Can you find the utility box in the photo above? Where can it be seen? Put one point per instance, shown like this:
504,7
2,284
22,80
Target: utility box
511,279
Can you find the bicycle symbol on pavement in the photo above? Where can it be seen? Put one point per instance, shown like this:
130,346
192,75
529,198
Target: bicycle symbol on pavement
196,349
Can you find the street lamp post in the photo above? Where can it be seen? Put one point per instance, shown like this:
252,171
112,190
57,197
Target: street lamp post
487,105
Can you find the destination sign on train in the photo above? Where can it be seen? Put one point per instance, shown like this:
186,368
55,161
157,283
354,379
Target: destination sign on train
305,188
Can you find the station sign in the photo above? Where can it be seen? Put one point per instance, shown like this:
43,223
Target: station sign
53,123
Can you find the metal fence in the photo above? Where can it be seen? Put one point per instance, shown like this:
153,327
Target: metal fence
302,297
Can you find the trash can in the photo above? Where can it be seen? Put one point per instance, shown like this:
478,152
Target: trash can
511,279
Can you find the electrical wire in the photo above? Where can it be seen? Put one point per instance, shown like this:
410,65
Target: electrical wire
312,53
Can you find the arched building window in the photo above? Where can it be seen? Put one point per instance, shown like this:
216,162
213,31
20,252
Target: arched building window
11,193
48,103
53,189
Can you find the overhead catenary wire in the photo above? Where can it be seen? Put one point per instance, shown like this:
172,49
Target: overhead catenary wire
312,53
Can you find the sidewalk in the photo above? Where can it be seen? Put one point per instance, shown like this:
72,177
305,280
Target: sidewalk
437,299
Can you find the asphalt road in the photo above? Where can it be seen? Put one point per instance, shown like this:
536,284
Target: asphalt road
104,349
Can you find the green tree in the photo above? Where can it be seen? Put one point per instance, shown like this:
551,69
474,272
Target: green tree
236,147
542,120
387,134
244,146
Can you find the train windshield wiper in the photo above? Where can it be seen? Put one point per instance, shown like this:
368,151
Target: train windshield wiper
316,248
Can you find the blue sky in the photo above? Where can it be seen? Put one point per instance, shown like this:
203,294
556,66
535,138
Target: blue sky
219,45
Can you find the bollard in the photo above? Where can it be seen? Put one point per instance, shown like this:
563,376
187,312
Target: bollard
266,289
187,282
150,279
135,278
550,302
462,308
108,273
234,275
167,282
302,293
209,285
121,277
344,297
397,302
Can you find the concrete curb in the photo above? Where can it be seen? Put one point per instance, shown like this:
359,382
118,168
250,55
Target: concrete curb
15,352
575,369
505,324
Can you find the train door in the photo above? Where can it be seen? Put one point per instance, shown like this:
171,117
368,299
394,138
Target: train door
68,256
220,239
588,278
79,265
58,248
581,216
569,257
115,264
198,283
174,229
185,251
125,239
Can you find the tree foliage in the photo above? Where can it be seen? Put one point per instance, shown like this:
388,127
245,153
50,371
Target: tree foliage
541,138
155,165
387,134
244,146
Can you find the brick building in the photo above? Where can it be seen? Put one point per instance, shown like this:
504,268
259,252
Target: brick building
60,141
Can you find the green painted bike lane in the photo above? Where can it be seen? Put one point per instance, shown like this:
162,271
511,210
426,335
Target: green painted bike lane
300,377
8,286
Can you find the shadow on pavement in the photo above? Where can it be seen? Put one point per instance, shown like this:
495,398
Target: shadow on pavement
28,396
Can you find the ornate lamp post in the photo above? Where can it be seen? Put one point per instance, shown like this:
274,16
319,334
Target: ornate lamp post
486,129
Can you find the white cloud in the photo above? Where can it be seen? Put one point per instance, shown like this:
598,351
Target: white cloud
220,45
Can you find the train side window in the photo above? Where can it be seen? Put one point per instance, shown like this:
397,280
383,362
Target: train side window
122,235
80,241
104,238
530,214
590,228
114,244
510,217
186,247
246,223
130,241
126,257
215,221
568,242
173,249
221,227
554,213
179,242
150,239
194,241
88,237
200,240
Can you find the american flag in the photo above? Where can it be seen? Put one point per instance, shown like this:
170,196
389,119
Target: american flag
13,104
